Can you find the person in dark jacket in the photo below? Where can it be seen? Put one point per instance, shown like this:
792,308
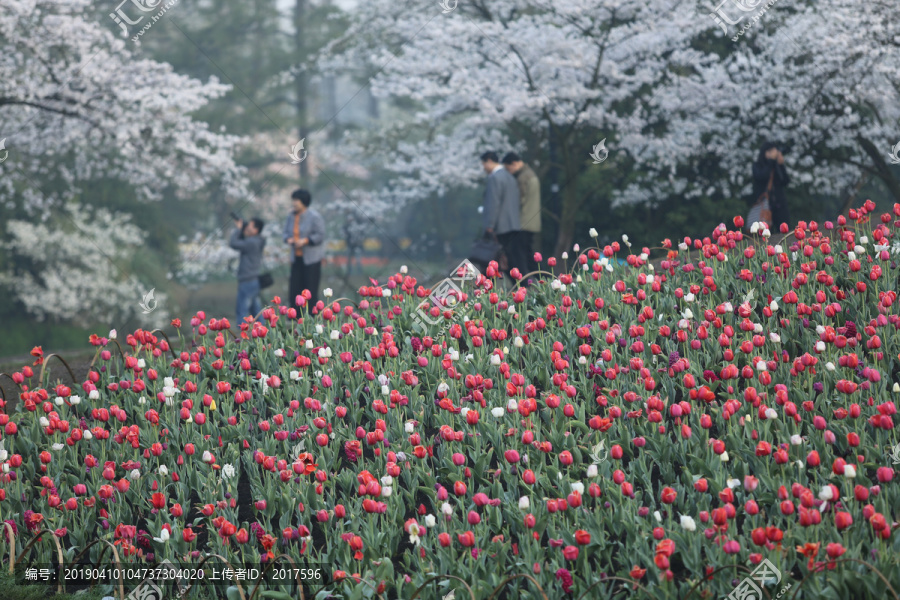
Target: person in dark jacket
247,239
501,211
304,232
770,164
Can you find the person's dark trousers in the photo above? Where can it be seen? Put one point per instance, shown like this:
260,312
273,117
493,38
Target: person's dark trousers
296,285
514,250
305,277
780,215
529,244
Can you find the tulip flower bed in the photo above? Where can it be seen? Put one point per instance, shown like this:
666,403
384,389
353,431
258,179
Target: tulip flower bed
612,428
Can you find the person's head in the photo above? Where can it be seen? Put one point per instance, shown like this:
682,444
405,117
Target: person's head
489,160
513,162
767,151
253,227
301,200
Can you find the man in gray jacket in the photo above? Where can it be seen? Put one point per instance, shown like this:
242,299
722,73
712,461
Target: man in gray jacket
530,196
247,239
501,210
304,232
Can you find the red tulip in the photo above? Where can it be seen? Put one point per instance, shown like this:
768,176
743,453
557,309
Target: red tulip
842,520
467,539
668,495
582,537
570,552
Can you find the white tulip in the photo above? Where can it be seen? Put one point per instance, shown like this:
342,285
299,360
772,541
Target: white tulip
295,375
409,427
134,475
733,483
163,536
592,471
228,471
524,503
430,521
657,516
593,232
512,405
207,456
335,334
849,471
446,509
387,480
796,440
386,492
724,457
578,487
826,493
688,523
327,292
309,344
771,414
497,412
518,342
94,395
169,382
404,269
113,334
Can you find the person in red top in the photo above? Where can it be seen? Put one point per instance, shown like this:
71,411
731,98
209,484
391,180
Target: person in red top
304,232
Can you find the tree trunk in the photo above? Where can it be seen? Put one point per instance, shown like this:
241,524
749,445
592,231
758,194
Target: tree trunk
883,169
570,202
301,83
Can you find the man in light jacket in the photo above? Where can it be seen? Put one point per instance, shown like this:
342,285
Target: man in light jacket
530,216
501,210
247,239
304,232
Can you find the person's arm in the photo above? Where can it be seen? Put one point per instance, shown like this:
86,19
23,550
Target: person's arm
762,172
287,234
316,231
781,174
491,212
236,242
